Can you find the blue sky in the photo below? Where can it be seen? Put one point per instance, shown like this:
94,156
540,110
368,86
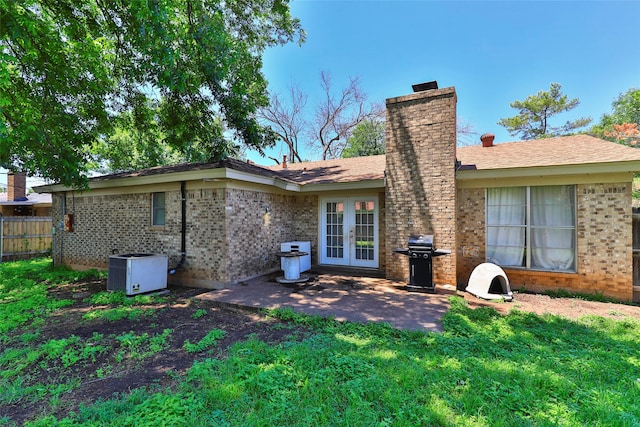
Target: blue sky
493,52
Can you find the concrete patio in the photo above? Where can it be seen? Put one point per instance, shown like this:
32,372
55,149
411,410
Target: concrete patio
343,295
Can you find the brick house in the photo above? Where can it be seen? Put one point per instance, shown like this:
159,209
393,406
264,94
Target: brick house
554,213
16,201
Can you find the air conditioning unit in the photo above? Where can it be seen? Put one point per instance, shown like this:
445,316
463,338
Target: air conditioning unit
137,273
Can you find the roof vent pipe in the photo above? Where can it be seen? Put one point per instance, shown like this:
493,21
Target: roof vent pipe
487,139
284,161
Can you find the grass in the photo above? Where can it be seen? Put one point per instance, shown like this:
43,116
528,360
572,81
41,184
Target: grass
23,291
209,341
595,297
485,369
27,305
113,306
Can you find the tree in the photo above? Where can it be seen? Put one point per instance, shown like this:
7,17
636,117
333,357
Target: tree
138,141
131,148
535,111
466,134
287,119
623,124
334,118
337,116
68,68
367,139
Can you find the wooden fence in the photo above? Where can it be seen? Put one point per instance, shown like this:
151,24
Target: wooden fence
25,237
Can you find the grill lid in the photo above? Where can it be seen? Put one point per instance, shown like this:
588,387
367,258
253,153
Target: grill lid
423,241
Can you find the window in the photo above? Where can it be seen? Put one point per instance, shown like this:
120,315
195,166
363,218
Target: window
335,230
157,209
532,227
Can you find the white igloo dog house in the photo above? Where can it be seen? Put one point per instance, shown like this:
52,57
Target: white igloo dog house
489,281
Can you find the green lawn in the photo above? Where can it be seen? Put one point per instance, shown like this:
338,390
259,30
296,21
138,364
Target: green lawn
485,369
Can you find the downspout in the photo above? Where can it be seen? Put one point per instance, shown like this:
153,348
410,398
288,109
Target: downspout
183,230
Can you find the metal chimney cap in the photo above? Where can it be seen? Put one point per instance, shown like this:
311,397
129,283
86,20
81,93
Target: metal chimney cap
420,87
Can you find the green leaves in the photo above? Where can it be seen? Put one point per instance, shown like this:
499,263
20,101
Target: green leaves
534,112
367,139
208,341
623,124
70,69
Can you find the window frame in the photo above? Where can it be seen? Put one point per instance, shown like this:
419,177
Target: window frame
157,209
528,226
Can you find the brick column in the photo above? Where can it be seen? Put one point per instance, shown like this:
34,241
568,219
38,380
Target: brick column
421,187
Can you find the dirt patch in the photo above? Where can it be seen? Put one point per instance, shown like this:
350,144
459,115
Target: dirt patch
572,308
161,370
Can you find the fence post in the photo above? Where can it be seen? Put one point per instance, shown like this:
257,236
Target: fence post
53,244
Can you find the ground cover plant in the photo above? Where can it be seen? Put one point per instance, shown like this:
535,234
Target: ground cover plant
184,361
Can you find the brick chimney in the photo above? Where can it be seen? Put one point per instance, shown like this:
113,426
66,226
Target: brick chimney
17,183
420,193
487,139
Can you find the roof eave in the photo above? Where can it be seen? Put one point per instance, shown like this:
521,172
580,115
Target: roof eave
27,203
586,170
208,174
337,186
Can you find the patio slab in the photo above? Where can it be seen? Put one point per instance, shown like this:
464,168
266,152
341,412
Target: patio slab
343,297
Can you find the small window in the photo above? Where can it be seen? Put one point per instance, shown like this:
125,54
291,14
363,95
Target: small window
157,209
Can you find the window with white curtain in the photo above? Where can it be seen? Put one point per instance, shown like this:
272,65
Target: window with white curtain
532,227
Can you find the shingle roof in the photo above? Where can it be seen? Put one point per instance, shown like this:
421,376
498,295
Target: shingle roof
325,171
234,164
560,151
32,199
334,171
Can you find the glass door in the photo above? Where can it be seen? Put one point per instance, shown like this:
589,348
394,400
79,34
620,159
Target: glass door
349,231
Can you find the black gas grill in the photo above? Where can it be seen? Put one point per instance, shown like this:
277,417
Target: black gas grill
421,252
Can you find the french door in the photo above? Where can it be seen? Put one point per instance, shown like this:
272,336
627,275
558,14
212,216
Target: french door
349,231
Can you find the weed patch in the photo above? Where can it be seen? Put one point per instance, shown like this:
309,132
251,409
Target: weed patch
199,313
209,340
24,299
140,346
115,306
